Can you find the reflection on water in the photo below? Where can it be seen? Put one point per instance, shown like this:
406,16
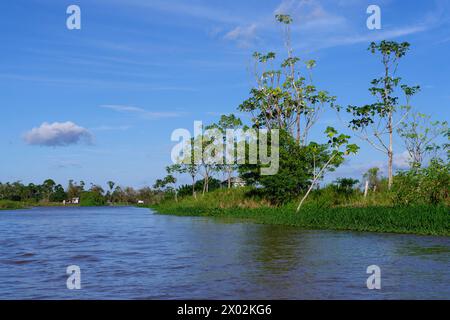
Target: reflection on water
130,253
439,252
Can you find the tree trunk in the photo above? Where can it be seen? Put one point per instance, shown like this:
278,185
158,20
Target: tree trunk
204,186
366,189
316,178
206,183
390,153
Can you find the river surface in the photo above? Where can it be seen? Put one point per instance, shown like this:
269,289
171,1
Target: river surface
131,253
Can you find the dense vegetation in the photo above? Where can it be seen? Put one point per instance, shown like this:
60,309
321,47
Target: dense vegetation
328,208
424,220
286,99
18,195
412,200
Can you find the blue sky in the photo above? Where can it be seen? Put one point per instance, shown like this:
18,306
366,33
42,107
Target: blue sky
138,69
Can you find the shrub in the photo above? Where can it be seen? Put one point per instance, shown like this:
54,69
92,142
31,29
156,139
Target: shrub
9,205
342,192
428,185
296,166
186,189
92,199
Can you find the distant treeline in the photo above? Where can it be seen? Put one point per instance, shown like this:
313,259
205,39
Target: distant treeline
51,192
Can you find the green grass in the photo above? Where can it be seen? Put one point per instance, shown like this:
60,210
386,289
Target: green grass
11,205
15,205
423,220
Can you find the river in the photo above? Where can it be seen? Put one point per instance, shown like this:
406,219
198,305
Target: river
132,253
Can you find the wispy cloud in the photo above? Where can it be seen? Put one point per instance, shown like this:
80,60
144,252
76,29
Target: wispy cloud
356,169
243,35
188,8
402,160
341,40
66,164
310,14
322,27
91,82
320,24
151,115
111,128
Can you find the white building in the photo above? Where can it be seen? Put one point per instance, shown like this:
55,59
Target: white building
236,182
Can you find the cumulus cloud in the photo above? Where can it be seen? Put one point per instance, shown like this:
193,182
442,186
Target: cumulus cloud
57,134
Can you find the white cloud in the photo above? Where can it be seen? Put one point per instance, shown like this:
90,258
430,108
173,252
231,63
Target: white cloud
355,169
57,134
390,34
320,28
111,128
142,112
310,14
122,108
321,24
244,36
402,160
188,8
90,82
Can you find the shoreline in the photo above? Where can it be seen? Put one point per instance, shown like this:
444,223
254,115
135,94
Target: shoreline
13,205
416,220
424,220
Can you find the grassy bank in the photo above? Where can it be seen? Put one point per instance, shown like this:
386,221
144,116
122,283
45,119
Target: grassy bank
16,205
11,205
423,220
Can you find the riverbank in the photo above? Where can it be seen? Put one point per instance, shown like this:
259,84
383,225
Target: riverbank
11,205
17,205
420,220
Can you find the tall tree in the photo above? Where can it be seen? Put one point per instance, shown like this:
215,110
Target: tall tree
376,121
111,185
47,188
170,178
418,133
286,98
225,123
167,184
209,145
188,163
